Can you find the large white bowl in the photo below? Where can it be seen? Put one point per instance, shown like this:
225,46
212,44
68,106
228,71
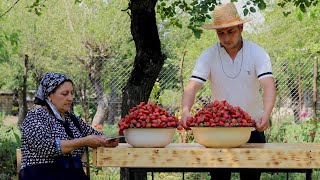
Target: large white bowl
149,137
221,137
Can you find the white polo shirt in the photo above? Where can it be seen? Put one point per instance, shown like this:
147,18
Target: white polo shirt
236,81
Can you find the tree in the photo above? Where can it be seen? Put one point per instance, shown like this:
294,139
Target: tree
49,46
94,64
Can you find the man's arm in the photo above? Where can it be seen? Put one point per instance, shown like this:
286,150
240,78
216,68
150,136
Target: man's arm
188,98
269,98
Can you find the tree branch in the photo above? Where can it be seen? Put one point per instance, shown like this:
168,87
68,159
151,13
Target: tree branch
9,9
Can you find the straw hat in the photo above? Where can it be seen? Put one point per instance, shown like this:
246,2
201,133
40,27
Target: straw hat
225,15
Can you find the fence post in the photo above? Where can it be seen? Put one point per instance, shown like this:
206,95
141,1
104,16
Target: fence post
315,77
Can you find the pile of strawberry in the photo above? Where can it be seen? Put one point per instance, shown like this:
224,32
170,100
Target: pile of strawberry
148,115
220,114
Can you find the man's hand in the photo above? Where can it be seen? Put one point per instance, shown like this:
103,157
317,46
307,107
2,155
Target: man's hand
264,123
184,118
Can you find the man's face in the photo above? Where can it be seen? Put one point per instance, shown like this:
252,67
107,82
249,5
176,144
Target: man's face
230,37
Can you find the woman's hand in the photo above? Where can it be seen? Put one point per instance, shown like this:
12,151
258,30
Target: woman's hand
99,141
112,142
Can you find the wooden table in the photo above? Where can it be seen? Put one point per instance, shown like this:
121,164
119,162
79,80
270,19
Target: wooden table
297,157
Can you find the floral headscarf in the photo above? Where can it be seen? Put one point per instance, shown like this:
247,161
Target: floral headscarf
49,82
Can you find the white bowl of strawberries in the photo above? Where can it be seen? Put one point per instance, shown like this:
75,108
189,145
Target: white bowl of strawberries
149,137
220,125
148,125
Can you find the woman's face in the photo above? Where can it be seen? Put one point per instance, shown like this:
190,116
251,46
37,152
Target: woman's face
62,97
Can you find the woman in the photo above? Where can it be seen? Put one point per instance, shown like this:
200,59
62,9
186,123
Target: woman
53,138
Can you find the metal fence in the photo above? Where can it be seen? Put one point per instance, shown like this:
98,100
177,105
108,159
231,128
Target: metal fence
294,82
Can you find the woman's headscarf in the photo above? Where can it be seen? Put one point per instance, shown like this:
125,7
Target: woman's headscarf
49,82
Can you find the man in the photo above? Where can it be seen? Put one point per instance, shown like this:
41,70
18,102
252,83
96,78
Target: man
235,68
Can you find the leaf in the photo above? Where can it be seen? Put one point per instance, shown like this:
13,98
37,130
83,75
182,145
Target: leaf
252,9
18,140
178,24
194,3
197,33
286,13
77,1
245,12
307,3
281,4
302,8
262,5
300,16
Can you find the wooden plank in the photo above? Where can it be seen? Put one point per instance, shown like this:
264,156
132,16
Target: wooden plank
18,154
94,157
188,155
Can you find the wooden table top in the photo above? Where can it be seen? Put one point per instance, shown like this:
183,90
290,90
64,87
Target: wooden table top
193,155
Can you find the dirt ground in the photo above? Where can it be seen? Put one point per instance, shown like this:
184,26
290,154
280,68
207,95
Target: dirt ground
8,120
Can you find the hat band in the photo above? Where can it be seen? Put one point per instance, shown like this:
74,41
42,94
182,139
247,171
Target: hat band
228,21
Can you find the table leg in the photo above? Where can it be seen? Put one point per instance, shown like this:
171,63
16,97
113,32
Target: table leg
309,174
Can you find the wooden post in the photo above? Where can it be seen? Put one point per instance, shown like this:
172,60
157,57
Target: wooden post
300,90
315,77
18,154
22,94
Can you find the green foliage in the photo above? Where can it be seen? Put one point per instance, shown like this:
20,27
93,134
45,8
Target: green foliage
37,7
2,116
197,11
9,142
155,94
9,45
111,130
78,110
301,4
287,131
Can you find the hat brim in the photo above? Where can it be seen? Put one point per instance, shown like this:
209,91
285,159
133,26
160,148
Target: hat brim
221,26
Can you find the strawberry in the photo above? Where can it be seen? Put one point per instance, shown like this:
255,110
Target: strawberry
220,114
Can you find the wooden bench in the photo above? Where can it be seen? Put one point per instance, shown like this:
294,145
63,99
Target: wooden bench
192,157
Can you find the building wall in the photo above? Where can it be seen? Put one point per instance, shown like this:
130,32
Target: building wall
6,102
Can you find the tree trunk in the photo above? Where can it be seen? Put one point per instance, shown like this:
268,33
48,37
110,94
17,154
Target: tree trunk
112,103
97,55
315,91
148,61
102,107
22,94
149,58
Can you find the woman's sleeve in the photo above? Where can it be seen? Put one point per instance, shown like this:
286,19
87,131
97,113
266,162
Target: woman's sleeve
37,132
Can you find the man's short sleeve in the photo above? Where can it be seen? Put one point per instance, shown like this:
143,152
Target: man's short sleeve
201,70
263,65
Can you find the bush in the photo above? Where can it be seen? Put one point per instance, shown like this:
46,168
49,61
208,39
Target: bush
9,142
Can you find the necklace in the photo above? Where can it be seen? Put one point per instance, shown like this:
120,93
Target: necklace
232,77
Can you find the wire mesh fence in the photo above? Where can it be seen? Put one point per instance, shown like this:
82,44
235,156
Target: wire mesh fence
294,83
